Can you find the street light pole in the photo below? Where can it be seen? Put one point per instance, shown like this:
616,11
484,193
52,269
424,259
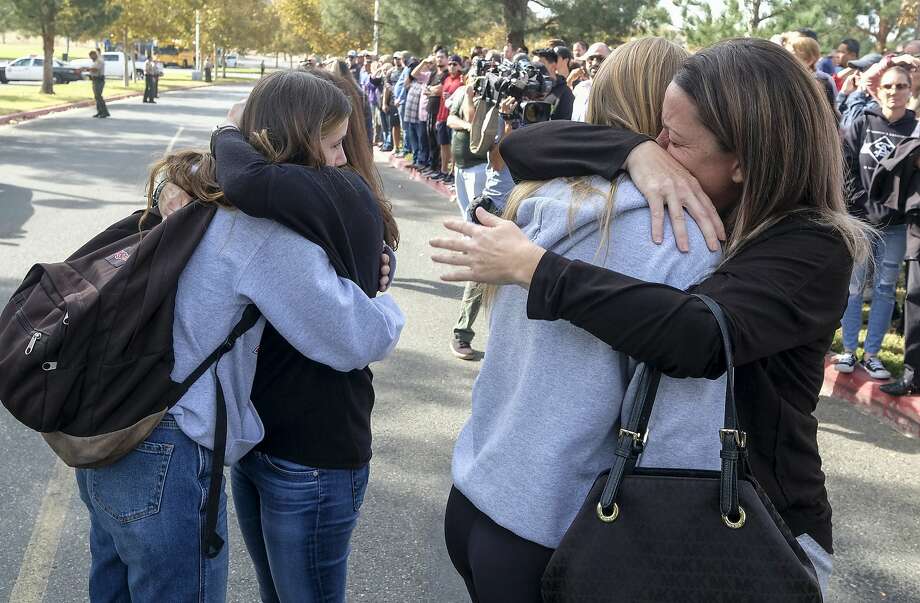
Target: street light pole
197,40
377,27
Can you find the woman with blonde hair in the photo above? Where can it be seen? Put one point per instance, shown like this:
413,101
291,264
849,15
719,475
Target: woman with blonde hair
808,52
541,431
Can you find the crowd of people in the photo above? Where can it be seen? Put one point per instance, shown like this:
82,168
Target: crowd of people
564,236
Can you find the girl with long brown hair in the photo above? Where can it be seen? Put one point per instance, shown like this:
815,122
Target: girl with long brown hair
782,282
316,294
317,417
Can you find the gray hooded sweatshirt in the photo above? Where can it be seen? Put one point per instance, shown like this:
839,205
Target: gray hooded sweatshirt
243,260
548,400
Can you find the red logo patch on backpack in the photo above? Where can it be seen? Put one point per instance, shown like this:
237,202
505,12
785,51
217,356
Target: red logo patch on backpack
119,258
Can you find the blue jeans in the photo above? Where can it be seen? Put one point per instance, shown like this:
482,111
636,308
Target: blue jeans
469,182
385,130
424,145
411,136
297,523
888,255
147,515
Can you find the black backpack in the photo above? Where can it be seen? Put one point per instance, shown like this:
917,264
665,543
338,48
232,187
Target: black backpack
86,346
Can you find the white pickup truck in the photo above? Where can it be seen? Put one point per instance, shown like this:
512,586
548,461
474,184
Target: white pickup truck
114,65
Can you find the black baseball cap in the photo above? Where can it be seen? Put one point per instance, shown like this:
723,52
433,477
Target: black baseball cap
865,61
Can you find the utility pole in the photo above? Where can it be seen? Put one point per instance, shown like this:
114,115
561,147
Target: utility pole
377,27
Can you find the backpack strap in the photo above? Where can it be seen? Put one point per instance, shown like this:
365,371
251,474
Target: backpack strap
212,543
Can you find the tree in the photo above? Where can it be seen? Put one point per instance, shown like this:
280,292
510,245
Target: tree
701,27
48,17
600,20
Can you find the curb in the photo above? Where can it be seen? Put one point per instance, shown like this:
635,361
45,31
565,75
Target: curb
26,115
403,165
860,390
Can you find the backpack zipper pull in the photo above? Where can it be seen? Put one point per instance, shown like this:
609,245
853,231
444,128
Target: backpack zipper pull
35,337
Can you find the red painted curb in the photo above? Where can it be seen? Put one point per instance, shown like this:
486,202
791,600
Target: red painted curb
859,389
403,165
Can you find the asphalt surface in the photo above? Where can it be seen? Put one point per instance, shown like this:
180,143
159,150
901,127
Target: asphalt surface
65,177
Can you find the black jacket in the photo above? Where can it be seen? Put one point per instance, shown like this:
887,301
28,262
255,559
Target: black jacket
313,414
896,183
783,294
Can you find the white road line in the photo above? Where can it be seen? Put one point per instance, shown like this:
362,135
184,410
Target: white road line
175,138
38,560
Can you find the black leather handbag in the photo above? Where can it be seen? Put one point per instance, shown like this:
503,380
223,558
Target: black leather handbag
679,535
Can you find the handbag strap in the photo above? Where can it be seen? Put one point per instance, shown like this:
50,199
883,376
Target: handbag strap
632,438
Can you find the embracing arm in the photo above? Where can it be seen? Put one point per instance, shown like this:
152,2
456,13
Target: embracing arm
778,293
303,199
562,148
325,317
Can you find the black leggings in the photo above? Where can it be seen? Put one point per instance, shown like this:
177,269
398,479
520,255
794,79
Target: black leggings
497,565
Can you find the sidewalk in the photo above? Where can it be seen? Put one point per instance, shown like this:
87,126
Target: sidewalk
856,388
403,165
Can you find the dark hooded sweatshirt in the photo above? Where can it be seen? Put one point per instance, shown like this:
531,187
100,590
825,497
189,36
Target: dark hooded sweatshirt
867,142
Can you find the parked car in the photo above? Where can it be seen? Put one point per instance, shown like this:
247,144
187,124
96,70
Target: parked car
114,65
232,59
32,68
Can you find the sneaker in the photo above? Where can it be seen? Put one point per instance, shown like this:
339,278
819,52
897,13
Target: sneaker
875,368
461,349
845,363
449,179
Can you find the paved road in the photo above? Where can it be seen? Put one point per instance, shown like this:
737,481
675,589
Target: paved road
66,176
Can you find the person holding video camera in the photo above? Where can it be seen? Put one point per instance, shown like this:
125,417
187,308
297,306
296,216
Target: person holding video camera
498,185
565,98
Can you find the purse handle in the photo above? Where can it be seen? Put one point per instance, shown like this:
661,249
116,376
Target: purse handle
632,438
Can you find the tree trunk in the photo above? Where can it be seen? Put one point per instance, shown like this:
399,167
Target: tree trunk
48,67
881,38
276,60
515,16
755,17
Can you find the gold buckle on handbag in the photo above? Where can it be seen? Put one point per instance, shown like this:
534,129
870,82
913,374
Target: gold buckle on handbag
740,436
637,437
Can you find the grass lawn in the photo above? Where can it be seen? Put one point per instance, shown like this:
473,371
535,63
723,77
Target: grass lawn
13,49
18,97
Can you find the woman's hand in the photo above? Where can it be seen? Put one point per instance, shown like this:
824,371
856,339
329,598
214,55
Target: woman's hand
665,182
384,272
172,199
850,84
235,114
496,253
